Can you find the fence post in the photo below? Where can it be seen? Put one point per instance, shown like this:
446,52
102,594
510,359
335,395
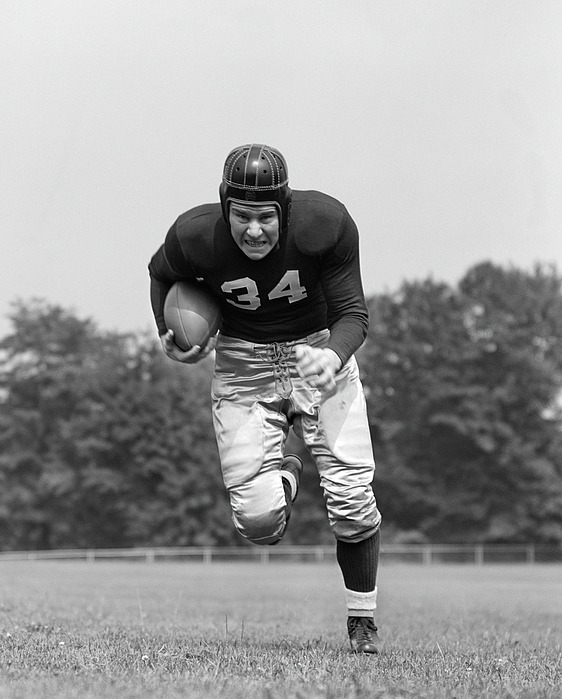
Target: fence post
149,556
264,556
207,555
530,553
427,554
479,554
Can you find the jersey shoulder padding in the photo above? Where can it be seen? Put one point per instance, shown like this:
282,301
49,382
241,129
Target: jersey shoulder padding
317,221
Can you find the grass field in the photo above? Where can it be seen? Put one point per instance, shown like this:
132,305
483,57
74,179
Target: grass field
248,631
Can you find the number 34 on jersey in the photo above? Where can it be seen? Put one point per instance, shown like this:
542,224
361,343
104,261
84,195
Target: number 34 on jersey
246,294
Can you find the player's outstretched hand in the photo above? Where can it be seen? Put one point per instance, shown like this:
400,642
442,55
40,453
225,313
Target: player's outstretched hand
193,355
317,366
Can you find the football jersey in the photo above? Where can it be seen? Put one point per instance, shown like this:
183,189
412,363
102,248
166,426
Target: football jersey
310,281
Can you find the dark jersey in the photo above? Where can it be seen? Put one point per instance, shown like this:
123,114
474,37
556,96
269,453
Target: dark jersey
309,282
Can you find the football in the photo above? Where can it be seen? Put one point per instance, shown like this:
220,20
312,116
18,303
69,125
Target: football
192,312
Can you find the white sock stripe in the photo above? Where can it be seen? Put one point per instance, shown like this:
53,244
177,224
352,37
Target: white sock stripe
361,600
292,482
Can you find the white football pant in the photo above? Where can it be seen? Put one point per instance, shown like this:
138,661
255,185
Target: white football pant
257,394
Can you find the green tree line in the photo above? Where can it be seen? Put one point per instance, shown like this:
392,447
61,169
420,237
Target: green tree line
104,442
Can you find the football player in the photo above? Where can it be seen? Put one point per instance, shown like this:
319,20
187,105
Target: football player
284,265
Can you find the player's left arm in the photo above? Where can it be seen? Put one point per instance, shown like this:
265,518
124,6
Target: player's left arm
348,317
342,286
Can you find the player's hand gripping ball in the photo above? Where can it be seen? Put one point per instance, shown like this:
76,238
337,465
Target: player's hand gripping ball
193,315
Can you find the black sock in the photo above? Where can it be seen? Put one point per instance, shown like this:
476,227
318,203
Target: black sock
359,563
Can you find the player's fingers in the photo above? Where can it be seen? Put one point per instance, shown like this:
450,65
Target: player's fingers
208,348
323,386
168,340
306,360
316,376
204,352
315,368
307,371
211,344
174,352
302,354
168,345
192,356
324,381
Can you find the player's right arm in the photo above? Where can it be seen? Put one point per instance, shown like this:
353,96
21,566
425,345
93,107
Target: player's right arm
169,265
192,231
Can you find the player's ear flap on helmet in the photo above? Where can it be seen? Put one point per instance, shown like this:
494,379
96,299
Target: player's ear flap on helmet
256,173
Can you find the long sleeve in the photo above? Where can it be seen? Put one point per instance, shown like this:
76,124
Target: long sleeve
164,273
348,317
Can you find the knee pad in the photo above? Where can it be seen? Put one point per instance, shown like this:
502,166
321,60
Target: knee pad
260,528
258,508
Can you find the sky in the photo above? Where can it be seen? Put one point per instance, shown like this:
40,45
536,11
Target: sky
437,123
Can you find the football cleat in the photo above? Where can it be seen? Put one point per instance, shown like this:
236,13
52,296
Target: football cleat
291,469
363,635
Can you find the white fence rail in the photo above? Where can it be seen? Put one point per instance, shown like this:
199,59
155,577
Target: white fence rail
425,554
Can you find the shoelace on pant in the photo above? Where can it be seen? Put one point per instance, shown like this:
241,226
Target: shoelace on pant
278,353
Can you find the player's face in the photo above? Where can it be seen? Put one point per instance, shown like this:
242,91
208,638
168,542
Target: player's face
255,229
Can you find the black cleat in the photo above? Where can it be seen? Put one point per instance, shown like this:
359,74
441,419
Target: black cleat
363,635
292,470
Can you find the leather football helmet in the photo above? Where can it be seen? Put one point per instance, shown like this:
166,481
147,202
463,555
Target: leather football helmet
256,174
